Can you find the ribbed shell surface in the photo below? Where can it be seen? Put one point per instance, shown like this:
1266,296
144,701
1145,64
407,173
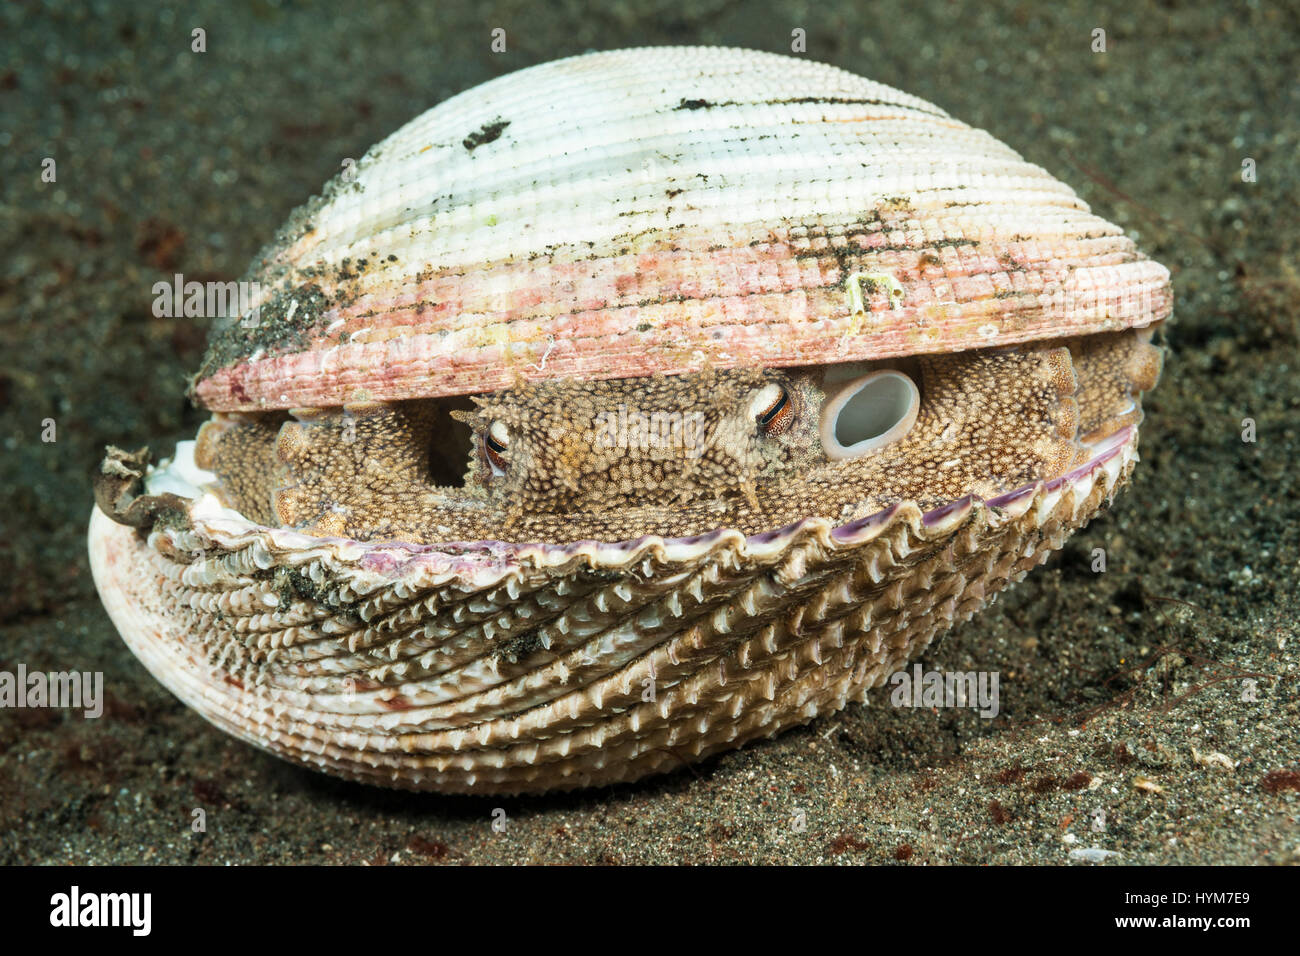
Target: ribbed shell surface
663,210
524,668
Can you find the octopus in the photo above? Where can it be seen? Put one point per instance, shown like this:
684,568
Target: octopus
563,461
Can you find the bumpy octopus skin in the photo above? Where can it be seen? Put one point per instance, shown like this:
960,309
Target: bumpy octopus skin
989,421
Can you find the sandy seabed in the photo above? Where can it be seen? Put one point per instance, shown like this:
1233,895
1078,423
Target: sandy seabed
1150,711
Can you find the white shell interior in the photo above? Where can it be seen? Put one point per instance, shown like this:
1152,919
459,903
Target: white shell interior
179,475
869,413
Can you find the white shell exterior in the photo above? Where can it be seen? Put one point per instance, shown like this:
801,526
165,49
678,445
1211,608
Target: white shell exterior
658,210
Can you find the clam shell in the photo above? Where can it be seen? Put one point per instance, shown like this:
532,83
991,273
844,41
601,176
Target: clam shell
496,667
609,216
662,210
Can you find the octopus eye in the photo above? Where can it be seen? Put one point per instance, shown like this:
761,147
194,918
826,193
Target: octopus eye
495,442
773,410
868,413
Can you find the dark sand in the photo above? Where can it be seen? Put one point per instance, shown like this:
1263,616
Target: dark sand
1115,686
